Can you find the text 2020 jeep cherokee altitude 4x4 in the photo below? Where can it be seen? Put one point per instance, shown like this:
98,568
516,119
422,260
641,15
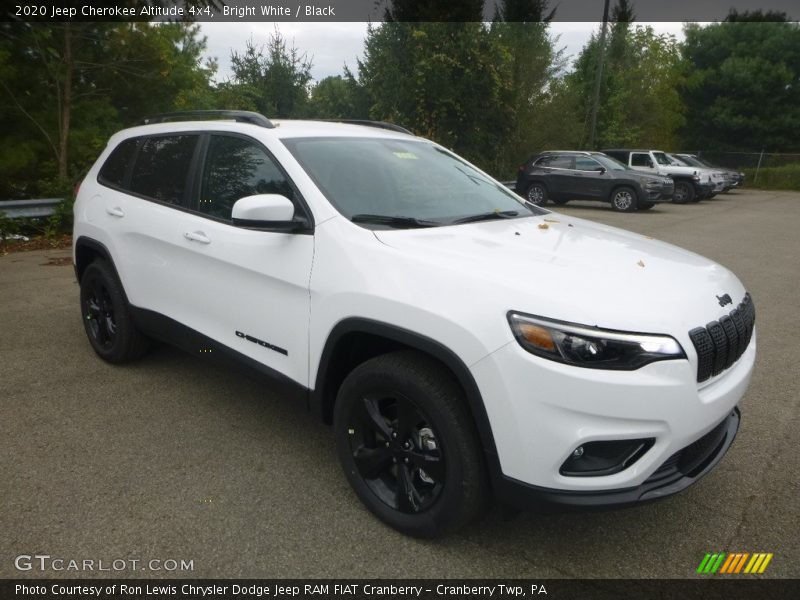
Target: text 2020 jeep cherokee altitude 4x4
460,341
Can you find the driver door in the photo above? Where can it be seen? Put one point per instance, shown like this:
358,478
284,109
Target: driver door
246,289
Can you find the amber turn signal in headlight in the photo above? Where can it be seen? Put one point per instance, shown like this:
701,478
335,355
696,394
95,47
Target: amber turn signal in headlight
592,347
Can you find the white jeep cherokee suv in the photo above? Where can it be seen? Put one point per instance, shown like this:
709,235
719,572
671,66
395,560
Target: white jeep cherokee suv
461,342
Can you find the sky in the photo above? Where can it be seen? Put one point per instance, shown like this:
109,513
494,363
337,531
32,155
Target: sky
331,46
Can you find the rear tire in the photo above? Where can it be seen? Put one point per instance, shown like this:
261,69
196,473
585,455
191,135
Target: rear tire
684,192
408,445
536,194
623,199
106,316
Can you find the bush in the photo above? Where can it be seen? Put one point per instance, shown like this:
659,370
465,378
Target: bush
786,177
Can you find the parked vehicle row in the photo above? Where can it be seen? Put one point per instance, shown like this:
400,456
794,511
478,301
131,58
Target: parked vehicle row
627,179
565,175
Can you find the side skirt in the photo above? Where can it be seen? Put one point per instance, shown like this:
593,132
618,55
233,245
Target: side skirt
170,331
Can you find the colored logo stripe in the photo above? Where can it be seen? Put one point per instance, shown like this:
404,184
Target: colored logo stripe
734,562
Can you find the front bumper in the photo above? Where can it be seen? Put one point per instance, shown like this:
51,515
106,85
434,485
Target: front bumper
704,188
677,473
661,193
540,411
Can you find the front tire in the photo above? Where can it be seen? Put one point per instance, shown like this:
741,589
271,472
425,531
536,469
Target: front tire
408,445
536,194
623,199
106,316
684,192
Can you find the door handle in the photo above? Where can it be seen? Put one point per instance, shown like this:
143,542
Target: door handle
197,236
115,211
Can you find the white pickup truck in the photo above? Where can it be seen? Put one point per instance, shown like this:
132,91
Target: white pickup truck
691,183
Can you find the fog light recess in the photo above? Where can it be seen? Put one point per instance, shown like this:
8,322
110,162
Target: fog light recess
595,459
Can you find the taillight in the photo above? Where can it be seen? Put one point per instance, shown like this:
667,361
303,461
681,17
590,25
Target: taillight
521,168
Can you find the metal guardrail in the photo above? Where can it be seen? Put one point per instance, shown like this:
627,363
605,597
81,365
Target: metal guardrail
20,209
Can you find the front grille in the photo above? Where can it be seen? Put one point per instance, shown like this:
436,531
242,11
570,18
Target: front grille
720,343
693,458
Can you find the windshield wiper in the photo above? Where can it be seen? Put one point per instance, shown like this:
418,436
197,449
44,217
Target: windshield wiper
393,221
495,214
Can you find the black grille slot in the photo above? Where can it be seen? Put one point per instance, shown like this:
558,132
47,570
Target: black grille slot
720,343
693,458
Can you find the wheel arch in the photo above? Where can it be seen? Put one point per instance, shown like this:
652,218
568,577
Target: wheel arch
86,251
355,340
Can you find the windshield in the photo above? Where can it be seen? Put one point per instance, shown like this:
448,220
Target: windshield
402,183
610,163
690,160
662,158
679,160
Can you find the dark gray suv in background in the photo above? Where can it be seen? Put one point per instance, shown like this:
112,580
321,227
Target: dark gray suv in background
561,176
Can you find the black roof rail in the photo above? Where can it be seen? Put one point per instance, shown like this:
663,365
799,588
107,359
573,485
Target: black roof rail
368,123
240,116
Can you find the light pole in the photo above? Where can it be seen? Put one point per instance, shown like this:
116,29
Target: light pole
598,77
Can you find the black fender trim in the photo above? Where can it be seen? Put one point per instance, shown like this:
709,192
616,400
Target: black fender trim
96,247
424,344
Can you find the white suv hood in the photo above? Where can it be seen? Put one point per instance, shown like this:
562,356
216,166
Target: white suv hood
570,269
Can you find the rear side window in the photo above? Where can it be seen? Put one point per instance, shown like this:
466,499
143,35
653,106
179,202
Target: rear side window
556,162
236,167
116,166
639,159
161,171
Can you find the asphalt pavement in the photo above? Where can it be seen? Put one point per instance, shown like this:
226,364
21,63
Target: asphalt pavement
176,459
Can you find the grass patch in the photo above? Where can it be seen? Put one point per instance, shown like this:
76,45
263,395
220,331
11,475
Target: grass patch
786,177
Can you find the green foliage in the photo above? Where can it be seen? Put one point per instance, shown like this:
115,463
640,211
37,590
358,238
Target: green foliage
273,79
338,97
743,85
786,177
444,81
65,87
639,101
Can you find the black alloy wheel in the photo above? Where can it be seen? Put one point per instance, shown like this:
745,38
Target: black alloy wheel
396,452
106,315
100,318
408,445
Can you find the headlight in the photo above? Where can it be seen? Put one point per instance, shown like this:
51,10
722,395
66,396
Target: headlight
591,347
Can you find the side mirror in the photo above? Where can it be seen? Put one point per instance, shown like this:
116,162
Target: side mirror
600,170
267,212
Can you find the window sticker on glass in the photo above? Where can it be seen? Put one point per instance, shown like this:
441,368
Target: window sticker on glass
406,155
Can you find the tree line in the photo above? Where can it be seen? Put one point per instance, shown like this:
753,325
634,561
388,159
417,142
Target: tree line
494,92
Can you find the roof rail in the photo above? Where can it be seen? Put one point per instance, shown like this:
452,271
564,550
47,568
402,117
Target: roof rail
368,123
240,116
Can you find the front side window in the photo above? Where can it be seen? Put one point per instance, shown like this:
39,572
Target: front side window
236,167
162,166
402,179
639,159
115,168
584,163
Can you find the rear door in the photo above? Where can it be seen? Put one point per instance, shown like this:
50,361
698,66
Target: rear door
589,179
144,205
246,289
555,170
